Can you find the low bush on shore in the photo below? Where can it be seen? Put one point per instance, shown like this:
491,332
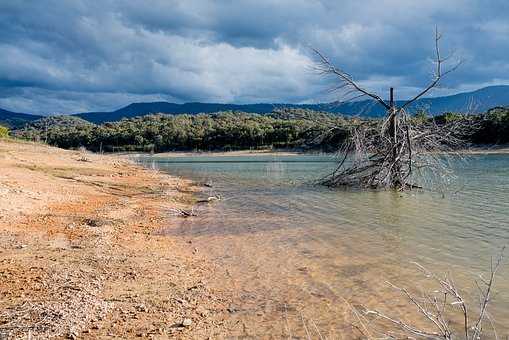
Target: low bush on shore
4,132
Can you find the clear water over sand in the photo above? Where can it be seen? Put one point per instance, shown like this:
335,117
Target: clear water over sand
302,256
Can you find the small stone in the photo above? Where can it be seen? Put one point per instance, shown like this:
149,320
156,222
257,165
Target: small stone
141,308
202,311
187,322
22,246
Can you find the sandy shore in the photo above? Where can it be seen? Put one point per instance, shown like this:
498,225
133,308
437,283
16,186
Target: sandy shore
79,257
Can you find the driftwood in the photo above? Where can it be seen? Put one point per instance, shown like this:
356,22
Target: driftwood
183,212
388,154
210,199
374,158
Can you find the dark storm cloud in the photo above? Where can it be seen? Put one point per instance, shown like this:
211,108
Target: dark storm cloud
70,56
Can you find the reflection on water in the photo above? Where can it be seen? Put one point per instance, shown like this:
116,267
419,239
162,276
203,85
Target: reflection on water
299,251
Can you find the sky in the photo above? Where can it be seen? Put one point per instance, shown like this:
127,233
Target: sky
75,56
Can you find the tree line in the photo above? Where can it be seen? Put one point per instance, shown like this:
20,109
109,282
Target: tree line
284,128
218,131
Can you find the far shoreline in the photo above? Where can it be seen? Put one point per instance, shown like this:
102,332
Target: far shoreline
487,150
474,150
234,153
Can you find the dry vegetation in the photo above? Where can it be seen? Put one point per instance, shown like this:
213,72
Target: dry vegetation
389,154
445,311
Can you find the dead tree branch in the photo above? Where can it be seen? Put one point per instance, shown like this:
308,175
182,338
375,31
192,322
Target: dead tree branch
346,81
439,72
392,153
445,303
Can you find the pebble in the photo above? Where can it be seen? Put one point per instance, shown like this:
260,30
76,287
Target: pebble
187,322
141,308
202,311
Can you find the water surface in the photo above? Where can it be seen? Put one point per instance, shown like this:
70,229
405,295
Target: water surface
302,256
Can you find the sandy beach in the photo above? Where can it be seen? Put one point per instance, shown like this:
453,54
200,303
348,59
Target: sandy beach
79,256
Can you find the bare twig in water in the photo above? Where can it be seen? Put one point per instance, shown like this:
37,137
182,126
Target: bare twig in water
442,305
183,212
308,335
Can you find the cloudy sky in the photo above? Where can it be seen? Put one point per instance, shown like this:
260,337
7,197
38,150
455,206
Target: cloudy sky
73,56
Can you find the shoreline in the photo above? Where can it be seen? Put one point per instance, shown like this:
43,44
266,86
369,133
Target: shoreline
495,149
236,153
488,150
81,254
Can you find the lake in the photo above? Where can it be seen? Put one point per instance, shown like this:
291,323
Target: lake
304,260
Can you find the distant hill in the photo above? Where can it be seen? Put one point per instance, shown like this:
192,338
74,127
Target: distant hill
16,120
65,122
140,109
470,102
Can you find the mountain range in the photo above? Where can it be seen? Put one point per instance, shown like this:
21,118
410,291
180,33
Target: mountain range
470,102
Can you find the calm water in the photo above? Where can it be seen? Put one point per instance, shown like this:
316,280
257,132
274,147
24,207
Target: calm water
302,255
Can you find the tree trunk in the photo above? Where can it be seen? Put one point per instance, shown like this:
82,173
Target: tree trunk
394,180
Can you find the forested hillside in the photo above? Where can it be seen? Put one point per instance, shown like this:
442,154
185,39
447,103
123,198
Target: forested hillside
285,128
219,131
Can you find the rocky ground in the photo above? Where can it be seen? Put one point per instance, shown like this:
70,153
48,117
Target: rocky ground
80,256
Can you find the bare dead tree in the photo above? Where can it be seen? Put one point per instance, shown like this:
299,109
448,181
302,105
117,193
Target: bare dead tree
440,306
390,153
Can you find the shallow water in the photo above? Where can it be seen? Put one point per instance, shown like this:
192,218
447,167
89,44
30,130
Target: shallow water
302,255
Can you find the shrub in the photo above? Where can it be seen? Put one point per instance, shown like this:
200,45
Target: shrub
4,132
